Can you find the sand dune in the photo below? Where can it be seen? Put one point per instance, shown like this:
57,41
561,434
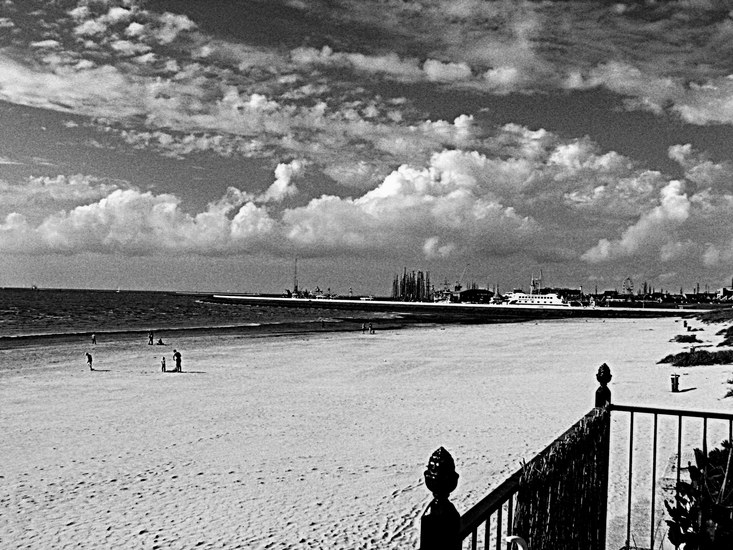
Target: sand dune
312,441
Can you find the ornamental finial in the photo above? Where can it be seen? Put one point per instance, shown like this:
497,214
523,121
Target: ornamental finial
441,476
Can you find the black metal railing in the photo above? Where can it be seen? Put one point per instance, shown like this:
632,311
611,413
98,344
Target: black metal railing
658,444
536,502
494,513
630,484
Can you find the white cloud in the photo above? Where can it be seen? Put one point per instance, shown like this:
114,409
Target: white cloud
90,27
422,205
97,91
446,72
283,186
701,170
128,48
504,79
434,248
42,195
135,29
654,230
117,14
46,44
135,223
390,64
170,25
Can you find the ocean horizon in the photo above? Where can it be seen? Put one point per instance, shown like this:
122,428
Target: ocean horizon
27,313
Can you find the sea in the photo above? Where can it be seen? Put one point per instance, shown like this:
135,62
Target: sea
45,313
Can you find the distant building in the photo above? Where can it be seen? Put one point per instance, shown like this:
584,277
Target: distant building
475,296
725,294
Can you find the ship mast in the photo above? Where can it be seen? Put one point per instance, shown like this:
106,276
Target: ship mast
295,279
535,285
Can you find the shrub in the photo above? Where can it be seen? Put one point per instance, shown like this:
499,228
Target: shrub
699,357
686,339
702,515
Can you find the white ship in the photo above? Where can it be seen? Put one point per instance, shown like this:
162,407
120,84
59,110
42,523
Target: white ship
535,297
523,299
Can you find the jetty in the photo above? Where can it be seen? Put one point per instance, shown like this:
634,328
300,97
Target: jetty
452,311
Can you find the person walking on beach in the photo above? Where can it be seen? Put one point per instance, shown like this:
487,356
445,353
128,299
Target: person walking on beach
363,328
94,339
89,361
177,361
150,338
371,328
162,363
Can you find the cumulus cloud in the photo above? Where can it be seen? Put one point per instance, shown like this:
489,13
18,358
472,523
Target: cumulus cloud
434,212
283,185
131,222
702,171
446,72
654,230
459,204
40,195
170,25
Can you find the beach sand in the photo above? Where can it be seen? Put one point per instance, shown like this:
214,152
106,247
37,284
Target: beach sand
301,441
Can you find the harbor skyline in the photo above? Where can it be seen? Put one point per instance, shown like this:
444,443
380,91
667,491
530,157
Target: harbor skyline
179,146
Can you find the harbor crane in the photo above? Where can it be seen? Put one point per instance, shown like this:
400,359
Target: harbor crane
463,274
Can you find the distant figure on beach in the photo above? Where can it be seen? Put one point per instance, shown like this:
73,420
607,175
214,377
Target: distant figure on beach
371,328
177,361
160,342
150,338
162,364
94,339
89,361
603,394
363,328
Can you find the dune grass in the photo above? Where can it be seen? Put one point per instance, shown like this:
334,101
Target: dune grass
699,357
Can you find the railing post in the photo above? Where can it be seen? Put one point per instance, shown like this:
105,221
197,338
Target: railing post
603,394
603,399
441,522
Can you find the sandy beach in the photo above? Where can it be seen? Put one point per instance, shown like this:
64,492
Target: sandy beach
302,441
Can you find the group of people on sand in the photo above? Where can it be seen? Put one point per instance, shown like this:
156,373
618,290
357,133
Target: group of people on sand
176,355
151,337
176,361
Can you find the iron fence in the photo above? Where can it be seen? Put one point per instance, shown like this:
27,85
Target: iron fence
658,446
621,492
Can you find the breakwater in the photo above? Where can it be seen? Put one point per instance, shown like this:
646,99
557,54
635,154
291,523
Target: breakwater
447,311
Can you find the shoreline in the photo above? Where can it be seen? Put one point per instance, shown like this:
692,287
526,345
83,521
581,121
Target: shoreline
256,330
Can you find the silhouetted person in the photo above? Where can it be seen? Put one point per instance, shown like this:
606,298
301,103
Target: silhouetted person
89,361
94,339
150,338
177,361
162,364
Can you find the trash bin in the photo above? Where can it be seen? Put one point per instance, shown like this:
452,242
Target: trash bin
675,382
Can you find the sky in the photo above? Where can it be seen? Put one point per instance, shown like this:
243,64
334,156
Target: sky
206,145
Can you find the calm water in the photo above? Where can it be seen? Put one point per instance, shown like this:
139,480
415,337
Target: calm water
26,312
